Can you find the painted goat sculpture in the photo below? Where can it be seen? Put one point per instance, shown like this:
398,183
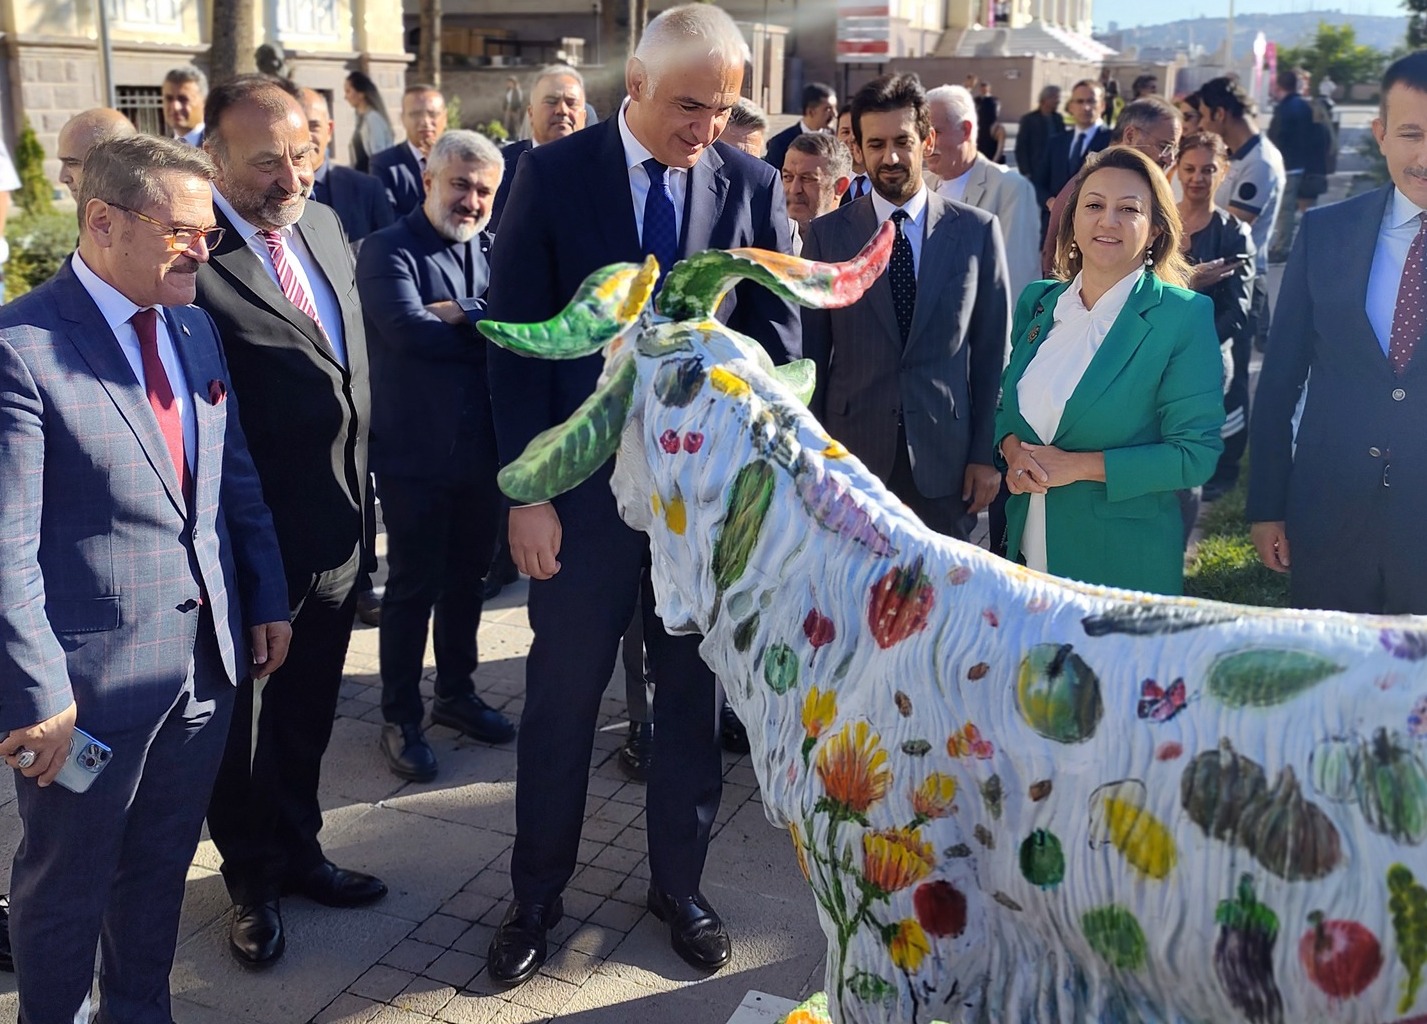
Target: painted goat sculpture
1016,799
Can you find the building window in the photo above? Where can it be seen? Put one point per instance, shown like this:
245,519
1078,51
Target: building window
143,105
307,18
147,15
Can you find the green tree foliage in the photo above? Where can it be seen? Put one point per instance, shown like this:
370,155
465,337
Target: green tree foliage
35,195
1336,52
1416,23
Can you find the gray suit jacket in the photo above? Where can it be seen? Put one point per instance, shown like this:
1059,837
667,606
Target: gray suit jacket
104,567
1012,199
943,385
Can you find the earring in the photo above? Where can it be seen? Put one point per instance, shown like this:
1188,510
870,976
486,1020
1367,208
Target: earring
1073,252
1149,258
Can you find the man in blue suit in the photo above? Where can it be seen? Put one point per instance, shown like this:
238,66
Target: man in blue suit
402,167
1339,504
650,180
359,199
424,279
557,109
1065,152
140,580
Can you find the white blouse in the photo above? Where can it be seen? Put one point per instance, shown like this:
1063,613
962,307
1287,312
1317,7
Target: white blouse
1054,373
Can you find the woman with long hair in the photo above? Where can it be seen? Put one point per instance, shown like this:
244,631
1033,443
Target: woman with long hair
373,132
1112,399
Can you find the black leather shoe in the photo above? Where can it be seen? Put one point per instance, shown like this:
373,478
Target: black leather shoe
498,579
731,731
474,717
337,887
369,607
255,937
7,962
695,930
518,948
408,755
637,751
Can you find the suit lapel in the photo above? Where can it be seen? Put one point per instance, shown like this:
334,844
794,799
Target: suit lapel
708,187
976,183
1348,275
938,247
199,372
1119,346
618,237
862,225
1024,349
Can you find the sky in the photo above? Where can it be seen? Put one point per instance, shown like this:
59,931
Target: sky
1136,12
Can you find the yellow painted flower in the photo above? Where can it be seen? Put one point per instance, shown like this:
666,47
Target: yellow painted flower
676,516
909,945
819,710
853,768
895,858
834,450
933,797
728,383
800,849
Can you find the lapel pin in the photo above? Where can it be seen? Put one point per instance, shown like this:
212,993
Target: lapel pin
1035,333
1038,310
217,392
183,328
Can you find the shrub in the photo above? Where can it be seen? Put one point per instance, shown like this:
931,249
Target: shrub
36,193
38,247
1226,566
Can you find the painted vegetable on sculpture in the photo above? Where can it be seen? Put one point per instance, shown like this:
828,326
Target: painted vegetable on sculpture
1259,678
1408,904
1058,695
748,502
1243,956
1341,957
900,604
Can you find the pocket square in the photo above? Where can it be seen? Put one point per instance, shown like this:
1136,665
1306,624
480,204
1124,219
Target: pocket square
217,392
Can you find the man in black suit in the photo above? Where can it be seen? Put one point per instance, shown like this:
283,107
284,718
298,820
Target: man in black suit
860,185
402,167
557,109
583,203
1065,153
424,281
359,199
281,291
1036,130
819,115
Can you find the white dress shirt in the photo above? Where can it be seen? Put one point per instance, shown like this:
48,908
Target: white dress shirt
1394,238
117,311
420,157
678,178
914,227
309,274
193,138
1053,374
955,188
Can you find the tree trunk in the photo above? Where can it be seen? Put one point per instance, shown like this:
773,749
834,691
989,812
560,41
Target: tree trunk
231,52
428,57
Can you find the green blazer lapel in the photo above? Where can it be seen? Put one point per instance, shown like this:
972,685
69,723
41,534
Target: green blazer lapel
1023,349
1118,348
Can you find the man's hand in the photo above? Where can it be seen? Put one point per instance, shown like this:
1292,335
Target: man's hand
448,311
535,540
979,487
270,642
50,742
1272,544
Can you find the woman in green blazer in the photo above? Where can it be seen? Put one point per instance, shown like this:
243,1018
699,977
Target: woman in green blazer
1112,398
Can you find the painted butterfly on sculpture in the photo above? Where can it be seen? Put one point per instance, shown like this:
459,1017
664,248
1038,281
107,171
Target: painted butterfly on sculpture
1159,703
969,743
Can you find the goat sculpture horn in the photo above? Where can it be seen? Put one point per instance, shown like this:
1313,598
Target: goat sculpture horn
696,285
607,303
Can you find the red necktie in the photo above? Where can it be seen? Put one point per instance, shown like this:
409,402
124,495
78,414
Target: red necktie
1409,317
160,391
288,280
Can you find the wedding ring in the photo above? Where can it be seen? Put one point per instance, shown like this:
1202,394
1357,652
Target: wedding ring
24,758
1020,472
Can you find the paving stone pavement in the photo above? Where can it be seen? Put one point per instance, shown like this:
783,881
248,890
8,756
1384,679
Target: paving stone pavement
418,956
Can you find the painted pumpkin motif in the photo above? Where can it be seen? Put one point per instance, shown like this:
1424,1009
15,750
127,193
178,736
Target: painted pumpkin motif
1058,695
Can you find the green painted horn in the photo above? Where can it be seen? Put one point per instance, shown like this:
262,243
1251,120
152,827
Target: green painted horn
695,286
565,456
800,377
607,303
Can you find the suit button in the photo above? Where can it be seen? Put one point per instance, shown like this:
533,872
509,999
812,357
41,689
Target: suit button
1398,394
1375,451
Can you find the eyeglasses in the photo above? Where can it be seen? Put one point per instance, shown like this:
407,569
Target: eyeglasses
179,239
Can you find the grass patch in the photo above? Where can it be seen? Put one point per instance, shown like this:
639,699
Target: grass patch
1225,566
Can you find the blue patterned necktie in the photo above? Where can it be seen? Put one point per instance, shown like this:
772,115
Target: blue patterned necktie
902,273
661,235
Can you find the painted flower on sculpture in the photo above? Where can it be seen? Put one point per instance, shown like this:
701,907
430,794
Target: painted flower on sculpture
908,945
853,768
895,858
819,709
932,799
800,849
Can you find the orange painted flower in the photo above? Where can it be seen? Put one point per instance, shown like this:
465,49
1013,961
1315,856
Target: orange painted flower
932,799
800,849
895,858
909,945
819,709
853,768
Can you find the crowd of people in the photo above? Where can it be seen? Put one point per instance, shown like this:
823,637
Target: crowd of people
251,341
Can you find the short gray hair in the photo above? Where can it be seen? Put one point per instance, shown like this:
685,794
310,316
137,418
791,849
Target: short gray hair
127,171
701,28
551,70
955,100
185,73
837,157
748,115
1144,114
465,146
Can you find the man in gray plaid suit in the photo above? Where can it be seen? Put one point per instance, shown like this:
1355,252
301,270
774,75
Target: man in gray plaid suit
130,605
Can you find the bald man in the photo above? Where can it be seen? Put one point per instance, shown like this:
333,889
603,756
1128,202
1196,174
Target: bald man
83,132
359,199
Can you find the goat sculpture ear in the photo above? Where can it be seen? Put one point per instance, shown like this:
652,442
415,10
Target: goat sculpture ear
696,285
606,304
566,455
800,377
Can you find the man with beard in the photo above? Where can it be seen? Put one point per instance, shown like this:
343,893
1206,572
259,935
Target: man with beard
402,168
908,377
557,109
80,134
425,280
281,290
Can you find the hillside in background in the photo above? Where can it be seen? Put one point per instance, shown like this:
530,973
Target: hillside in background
1207,34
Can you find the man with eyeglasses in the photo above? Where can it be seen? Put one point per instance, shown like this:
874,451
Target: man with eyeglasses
129,606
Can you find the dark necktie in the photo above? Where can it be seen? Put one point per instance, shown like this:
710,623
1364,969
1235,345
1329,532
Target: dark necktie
860,189
1409,317
661,235
902,273
1077,149
160,392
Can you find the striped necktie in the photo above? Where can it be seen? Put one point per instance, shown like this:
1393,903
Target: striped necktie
288,280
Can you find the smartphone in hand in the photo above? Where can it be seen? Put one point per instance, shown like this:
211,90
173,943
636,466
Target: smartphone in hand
87,758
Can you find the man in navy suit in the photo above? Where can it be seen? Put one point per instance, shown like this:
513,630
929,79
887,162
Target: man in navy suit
424,279
649,180
557,109
1065,152
819,115
140,580
359,199
1339,505
402,167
